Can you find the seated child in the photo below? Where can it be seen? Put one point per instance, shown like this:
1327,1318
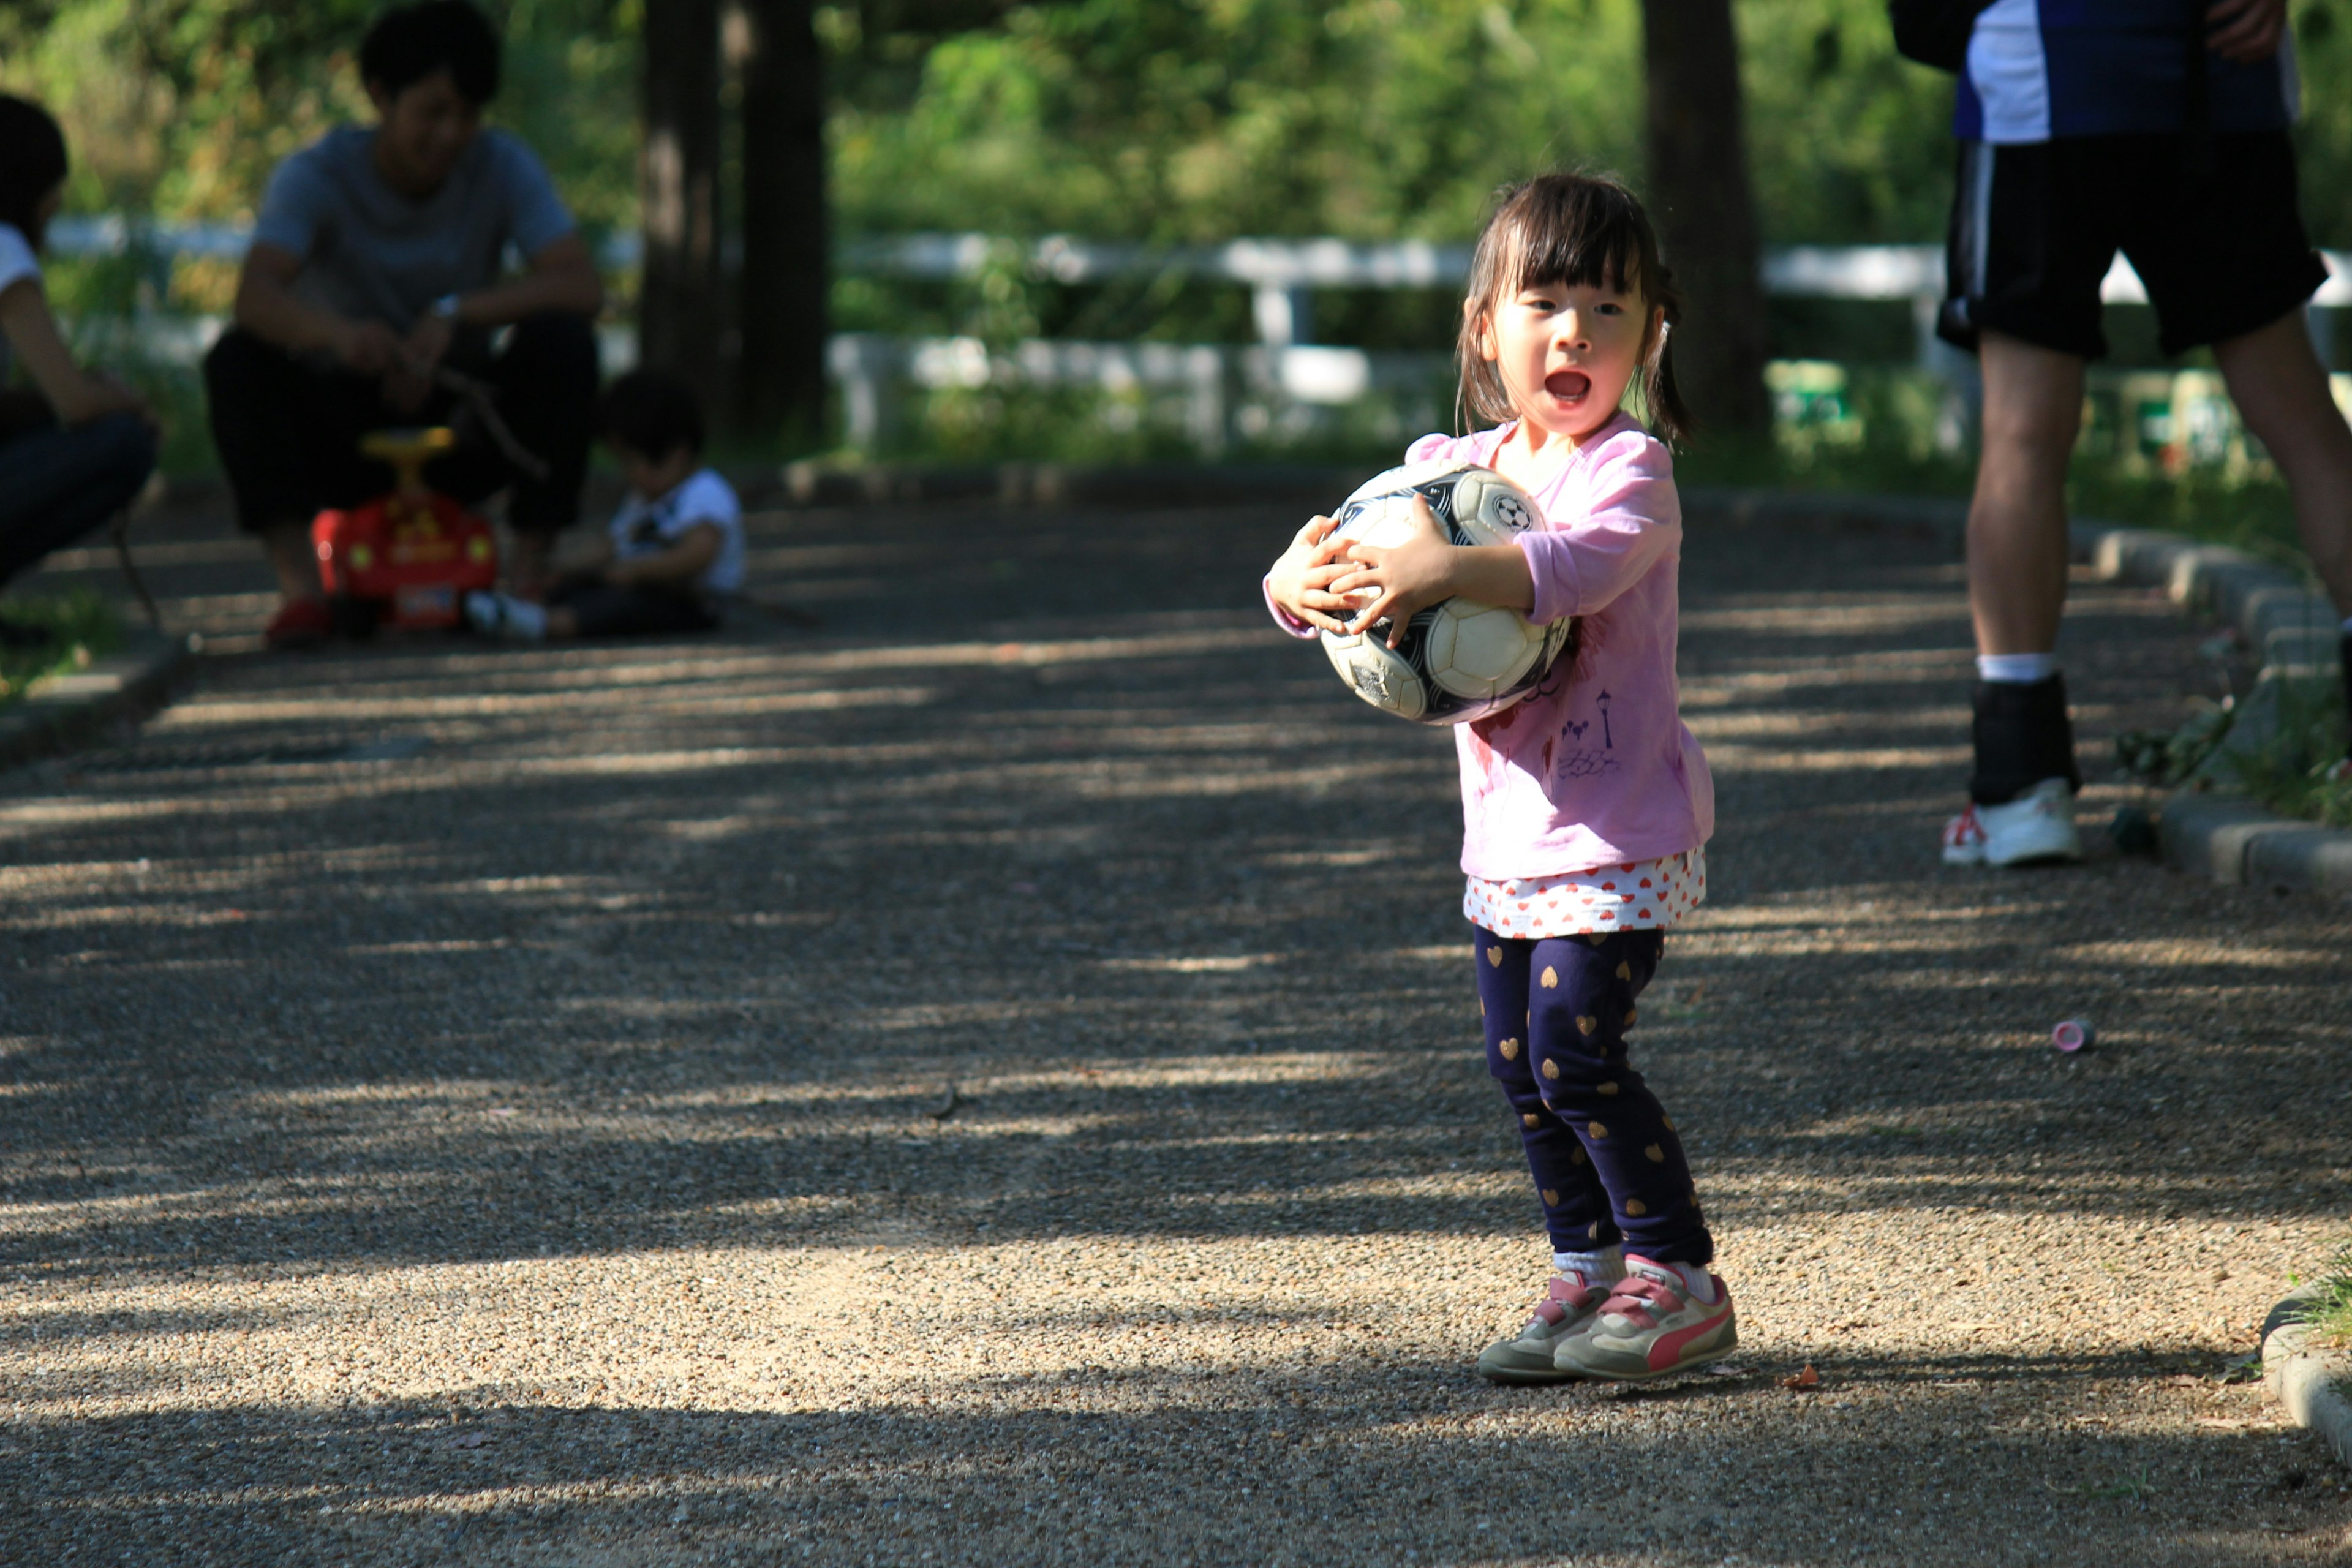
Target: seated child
675,553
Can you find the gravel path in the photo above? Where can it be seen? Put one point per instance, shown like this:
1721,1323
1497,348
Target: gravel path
471,1106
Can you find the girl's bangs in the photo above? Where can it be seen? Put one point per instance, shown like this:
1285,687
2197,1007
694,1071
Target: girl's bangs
1574,239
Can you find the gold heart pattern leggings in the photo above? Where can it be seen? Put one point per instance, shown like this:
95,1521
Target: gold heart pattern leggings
1607,1163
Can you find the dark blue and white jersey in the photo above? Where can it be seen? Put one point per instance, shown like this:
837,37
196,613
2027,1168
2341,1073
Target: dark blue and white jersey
2044,68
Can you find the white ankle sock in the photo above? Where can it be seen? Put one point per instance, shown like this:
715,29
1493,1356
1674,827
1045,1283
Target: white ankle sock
2016,669
1697,1282
1701,1282
1602,1267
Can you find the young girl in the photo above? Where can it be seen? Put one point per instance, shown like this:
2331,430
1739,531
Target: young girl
78,445
1588,804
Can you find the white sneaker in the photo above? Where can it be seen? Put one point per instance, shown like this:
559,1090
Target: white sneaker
496,615
2037,825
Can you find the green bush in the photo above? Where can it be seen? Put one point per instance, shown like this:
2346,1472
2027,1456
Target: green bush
85,626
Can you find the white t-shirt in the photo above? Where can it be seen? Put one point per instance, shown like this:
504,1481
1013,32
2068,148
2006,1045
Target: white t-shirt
16,262
642,528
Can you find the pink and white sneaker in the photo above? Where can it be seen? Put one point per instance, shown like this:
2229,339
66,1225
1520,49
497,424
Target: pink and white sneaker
1652,1325
1532,1356
2037,825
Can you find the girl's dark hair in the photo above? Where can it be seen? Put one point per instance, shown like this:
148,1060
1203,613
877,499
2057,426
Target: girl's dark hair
32,162
1585,231
410,43
652,413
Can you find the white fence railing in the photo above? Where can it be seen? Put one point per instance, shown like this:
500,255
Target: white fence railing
1280,273
1222,390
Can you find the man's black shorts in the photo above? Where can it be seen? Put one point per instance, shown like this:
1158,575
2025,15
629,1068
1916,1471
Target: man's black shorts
2035,227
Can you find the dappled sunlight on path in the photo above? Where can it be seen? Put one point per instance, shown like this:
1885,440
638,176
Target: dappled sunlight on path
996,1078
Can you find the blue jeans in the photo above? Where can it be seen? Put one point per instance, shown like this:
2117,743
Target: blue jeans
58,482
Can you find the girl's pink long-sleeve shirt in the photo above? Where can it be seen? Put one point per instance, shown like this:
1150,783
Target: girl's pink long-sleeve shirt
1597,767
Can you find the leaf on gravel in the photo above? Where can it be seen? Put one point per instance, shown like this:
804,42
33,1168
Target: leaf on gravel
946,1107
1808,1378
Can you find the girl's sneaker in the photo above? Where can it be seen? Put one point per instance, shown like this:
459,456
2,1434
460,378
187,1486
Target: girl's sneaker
1652,1325
1533,1355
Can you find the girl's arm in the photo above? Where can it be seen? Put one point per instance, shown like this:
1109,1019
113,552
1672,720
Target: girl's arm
75,393
1633,519
684,561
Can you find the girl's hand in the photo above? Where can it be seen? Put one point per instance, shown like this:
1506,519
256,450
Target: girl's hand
1300,582
1402,578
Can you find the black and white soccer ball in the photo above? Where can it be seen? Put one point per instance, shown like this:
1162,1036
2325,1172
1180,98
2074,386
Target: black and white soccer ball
1459,659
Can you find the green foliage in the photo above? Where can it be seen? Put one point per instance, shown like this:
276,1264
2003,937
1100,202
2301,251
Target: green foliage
200,98
85,625
2330,1313
2298,770
1172,119
2156,757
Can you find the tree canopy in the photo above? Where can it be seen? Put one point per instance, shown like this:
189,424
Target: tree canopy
1157,119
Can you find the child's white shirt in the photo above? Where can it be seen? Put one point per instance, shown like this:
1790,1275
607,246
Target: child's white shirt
642,528
18,262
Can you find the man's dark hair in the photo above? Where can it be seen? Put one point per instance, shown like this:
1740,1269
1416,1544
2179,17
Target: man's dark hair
32,161
409,43
652,413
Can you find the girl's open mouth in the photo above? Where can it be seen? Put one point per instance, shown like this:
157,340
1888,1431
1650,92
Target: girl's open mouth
1568,385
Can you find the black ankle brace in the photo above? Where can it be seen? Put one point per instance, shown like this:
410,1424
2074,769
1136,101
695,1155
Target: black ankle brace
2022,736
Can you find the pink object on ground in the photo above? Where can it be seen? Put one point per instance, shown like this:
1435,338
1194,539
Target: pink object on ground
2074,1034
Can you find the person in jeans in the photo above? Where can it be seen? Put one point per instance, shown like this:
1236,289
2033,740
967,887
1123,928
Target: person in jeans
76,445
374,272
2158,127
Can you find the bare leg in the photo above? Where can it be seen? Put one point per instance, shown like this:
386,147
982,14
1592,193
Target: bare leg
295,560
2017,524
2281,391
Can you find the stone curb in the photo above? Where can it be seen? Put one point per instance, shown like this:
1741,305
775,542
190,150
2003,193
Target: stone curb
2219,836
63,709
2316,1386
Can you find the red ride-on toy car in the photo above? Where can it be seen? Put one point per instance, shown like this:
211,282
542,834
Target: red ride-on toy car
407,559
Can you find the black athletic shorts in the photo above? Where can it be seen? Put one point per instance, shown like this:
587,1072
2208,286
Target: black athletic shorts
2035,227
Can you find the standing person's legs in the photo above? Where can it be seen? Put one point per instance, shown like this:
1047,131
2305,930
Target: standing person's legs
2033,231
2016,519
2022,788
2281,392
60,483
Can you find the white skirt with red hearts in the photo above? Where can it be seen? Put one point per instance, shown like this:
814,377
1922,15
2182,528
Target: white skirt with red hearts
1644,896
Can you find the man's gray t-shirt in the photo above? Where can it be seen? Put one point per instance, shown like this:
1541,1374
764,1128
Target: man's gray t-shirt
369,253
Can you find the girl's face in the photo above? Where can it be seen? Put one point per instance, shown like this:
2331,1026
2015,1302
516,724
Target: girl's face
1567,352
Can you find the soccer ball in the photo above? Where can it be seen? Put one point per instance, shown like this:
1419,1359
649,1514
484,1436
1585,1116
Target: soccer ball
1459,660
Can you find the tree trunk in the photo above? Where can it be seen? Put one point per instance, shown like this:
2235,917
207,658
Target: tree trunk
1706,211
780,380
681,300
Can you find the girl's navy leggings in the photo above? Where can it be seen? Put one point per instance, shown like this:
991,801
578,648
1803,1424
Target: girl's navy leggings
1604,1154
